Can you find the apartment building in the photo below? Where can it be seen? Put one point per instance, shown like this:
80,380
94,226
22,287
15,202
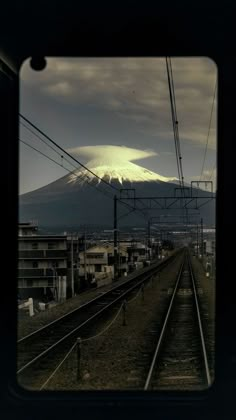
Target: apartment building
42,264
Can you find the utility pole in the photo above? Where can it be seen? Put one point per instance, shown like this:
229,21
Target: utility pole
115,237
202,237
85,259
72,267
149,239
197,241
54,286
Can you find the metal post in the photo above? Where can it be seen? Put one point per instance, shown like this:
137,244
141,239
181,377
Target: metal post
118,256
85,259
149,239
197,242
54,280
78,357
115,237
124,313
202,238
58,283
31,307
72,267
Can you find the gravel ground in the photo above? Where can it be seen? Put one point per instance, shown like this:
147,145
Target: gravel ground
206,287
118,358
26,325
207,284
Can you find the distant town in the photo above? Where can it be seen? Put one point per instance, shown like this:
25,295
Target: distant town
54,267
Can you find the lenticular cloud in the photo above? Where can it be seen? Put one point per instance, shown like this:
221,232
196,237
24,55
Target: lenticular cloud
114,163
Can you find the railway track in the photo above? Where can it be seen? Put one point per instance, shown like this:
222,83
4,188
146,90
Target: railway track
42,350
180,359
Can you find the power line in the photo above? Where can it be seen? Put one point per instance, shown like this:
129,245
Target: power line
68,154
175,124
43,154
41,139
212,172
68,170
76,160
209,128
174,118
82,177
107,193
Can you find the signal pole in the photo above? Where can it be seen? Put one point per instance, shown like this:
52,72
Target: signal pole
115,237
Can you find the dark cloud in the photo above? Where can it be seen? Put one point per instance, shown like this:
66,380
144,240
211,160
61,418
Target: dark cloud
135,89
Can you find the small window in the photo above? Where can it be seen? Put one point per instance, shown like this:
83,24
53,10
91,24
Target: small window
35,245
51,245
35,264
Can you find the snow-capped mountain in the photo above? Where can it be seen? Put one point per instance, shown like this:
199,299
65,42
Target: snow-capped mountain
81,198
115,162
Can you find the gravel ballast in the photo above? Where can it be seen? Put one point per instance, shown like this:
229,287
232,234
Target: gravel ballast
119,358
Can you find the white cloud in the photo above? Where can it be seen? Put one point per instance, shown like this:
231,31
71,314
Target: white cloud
107,151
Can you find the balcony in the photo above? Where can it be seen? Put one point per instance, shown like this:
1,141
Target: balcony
30,272
56,253
40,272
43,253
22,284
59,271
35,254
93,261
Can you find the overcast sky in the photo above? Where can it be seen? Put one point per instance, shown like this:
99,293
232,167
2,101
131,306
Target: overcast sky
119,101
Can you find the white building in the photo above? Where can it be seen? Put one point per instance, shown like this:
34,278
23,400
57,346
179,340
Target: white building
42,264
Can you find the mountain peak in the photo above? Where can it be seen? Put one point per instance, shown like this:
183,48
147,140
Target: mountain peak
115,163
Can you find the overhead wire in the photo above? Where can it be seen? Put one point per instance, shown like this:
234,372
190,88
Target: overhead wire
175,124
68,170
212,172
208,132
107,193
68,154
174,120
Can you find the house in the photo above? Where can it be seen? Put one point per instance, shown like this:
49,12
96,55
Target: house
98,262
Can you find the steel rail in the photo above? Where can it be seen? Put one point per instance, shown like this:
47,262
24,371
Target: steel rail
150,373
207,370
96,298
31,362
153,364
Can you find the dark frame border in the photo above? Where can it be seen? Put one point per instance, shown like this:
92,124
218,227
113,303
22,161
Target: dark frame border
103,31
